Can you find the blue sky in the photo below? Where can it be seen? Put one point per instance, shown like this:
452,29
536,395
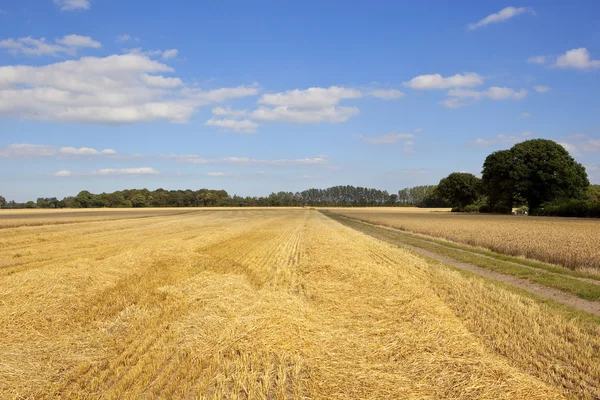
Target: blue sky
261,96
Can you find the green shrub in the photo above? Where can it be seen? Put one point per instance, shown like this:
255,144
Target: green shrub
572,208
471,208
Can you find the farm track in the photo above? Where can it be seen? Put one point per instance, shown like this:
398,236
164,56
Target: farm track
266,304
395,236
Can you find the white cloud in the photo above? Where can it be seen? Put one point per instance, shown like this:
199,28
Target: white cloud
525,115
537,60
125,171
218,174
542,88
85,151
388,138
241,126
219,95
305,115
494,93
502,139
387,94
123,38
116,89
418,130
26,150
109,172
577,58
312,105
437,81
171,53
502,15
571,148
72,5
310,98
228,112
197,159
79,41
161,81
587,146
41,47
451,103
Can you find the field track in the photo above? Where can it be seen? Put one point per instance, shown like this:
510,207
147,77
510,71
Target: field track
395,237
253,304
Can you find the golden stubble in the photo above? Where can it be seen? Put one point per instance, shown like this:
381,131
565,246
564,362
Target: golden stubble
266,304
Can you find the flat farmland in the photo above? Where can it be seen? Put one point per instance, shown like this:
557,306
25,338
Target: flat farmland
278,303
569,242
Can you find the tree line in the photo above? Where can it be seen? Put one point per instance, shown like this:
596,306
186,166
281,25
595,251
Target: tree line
337,196
538,175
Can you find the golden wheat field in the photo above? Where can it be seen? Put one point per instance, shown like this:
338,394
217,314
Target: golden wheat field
267,304
569,242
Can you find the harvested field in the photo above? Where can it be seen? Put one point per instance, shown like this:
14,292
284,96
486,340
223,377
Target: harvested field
569,242
268,304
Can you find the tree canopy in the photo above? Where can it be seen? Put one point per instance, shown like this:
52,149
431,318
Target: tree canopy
460,189
538,171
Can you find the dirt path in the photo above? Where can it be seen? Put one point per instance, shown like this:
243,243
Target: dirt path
536,289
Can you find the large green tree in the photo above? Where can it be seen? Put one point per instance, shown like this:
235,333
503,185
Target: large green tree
460,189
496,179
538,170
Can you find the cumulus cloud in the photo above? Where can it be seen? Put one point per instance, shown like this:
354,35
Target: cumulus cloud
577,58
310,98
109,172
501,16
542,88
388,138
197,159
309,106
67,45
537,60
171,53
124,88
437,81
331,115
502,139
26,150
79,41
461,97
312,105
241,126
86,151
387,94
586,146
72,5
229,112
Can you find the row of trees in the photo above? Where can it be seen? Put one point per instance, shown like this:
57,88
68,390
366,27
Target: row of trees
350,196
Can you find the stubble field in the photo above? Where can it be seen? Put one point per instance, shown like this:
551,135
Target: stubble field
570,242
267,304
